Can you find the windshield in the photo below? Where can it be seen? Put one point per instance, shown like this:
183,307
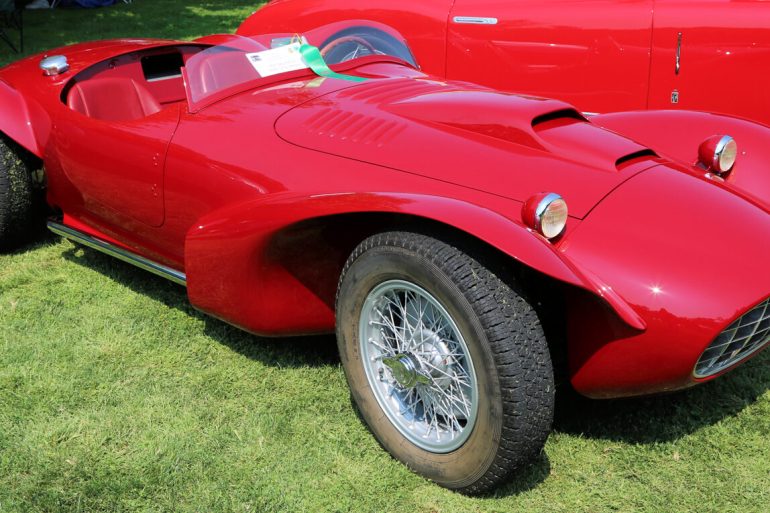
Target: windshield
221,67
236,61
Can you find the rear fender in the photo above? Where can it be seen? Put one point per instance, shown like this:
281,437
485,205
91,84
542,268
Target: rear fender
23,121
270,266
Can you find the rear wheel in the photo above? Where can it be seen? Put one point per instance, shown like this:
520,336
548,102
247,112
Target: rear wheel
16,194
446,360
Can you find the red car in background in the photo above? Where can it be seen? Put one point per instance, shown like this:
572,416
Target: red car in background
318,182
599,55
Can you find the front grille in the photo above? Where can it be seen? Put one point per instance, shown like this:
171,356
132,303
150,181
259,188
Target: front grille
747,335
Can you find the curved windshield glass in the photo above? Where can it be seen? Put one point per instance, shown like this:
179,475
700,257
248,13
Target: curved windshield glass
238,60
222,67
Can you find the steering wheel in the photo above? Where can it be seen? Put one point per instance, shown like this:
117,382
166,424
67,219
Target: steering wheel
328,51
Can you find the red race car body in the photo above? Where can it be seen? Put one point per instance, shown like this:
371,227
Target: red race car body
601,56
254,187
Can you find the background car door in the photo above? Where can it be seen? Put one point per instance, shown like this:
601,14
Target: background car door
724,57
117,166
592,53
422,22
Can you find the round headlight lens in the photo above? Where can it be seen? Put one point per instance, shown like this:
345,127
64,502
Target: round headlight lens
728,152
546,213
718,153
551,217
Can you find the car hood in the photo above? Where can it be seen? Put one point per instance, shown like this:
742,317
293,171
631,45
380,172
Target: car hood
503,144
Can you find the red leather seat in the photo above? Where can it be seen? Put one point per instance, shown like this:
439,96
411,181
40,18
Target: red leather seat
112,99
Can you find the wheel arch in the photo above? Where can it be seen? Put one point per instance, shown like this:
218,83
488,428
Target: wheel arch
252,264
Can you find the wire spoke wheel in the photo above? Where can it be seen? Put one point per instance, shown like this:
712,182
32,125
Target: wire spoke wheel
418,365
446,359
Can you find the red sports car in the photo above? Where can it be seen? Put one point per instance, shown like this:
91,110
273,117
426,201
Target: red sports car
442,228
599,55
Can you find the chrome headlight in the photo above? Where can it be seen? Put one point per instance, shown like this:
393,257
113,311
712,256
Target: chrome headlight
546,213
718,153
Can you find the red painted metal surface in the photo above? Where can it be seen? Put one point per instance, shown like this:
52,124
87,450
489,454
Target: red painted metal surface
600,55
567,51
260,195
725,45
673,258
423,23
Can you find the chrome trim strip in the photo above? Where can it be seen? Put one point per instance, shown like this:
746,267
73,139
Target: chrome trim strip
475,20
720,149
678,53
119,253
540,208
166,77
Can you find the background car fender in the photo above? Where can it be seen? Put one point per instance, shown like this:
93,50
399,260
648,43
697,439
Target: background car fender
23,121
271,266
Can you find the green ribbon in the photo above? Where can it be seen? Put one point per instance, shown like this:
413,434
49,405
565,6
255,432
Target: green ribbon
313,58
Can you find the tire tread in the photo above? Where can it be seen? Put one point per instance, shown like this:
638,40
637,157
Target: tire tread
16,194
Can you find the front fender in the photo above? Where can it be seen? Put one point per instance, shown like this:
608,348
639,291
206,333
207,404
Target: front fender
678,134
267,265
688,254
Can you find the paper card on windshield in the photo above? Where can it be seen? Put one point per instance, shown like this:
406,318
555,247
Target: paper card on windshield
278,60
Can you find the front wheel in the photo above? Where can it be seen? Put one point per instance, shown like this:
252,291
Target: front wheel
446,360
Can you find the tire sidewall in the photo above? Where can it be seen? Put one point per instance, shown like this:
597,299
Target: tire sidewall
463,466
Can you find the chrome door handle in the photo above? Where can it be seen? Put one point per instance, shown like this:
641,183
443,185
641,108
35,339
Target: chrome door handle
678,52
474,20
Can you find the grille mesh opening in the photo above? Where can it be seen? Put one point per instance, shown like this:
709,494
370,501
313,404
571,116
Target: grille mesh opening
747,335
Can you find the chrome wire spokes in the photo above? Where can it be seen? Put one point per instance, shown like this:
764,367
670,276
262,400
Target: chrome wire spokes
418,365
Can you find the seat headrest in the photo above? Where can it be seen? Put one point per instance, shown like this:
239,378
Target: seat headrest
112,99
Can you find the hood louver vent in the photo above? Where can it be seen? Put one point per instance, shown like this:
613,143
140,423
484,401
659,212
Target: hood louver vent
356,128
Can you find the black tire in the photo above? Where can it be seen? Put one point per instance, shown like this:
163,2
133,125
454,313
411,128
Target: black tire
16,194
379,40
505,342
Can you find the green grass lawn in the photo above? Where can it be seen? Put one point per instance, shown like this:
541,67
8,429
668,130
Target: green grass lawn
115,395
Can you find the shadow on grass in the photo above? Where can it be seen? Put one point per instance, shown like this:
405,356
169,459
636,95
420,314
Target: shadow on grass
281,352
284,352
663,418
644,421
38,237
